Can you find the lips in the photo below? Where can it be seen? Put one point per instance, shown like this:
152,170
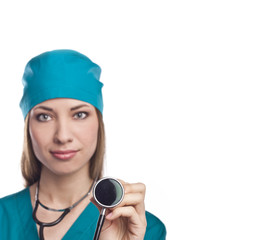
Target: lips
64,155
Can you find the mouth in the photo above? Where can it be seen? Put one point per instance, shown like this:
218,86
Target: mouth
64,155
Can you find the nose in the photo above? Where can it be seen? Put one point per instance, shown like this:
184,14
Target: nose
62,133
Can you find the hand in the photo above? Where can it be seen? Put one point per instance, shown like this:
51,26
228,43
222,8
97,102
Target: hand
127,220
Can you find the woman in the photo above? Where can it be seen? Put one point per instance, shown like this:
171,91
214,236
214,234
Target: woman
63,157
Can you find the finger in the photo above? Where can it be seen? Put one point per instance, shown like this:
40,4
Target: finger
135,196
127,211
134,199
134,187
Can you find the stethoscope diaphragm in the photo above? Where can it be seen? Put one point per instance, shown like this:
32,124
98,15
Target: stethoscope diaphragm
108,192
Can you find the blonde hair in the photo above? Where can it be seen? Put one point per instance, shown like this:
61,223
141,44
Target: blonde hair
31,166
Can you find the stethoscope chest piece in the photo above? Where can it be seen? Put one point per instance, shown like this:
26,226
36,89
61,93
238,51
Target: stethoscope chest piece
107,192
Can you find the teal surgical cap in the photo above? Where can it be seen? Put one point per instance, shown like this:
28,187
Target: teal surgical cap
61,74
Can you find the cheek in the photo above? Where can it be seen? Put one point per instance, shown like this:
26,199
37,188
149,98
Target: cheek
38,139
88,136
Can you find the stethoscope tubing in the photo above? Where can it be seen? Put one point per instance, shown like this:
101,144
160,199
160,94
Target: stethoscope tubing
58,220
99,224
43,224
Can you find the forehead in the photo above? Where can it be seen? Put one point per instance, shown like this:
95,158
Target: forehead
63,103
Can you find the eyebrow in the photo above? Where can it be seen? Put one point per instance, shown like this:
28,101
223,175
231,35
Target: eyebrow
44,108
79,106
72,109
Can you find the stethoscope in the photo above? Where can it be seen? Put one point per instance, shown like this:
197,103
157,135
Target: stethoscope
108,192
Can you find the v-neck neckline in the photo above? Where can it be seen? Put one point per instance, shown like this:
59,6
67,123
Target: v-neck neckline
85,221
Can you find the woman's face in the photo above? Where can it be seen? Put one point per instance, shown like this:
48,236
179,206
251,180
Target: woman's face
64,134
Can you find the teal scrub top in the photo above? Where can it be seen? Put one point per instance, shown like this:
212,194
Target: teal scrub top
16,222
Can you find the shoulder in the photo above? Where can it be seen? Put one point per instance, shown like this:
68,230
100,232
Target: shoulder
8,203
155,229
9,199
10,208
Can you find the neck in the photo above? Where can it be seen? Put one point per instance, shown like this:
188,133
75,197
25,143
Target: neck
62,191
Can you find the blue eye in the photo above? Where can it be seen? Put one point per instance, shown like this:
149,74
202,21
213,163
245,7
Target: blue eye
80,115
43,117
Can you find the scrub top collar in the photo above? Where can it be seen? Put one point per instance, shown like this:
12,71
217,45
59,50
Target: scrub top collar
84,223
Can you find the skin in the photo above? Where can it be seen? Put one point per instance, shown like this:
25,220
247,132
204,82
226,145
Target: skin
69,124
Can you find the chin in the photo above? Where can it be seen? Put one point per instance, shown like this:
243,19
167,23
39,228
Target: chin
68,169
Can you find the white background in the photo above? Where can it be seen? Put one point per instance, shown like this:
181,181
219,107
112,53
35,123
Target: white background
178,100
